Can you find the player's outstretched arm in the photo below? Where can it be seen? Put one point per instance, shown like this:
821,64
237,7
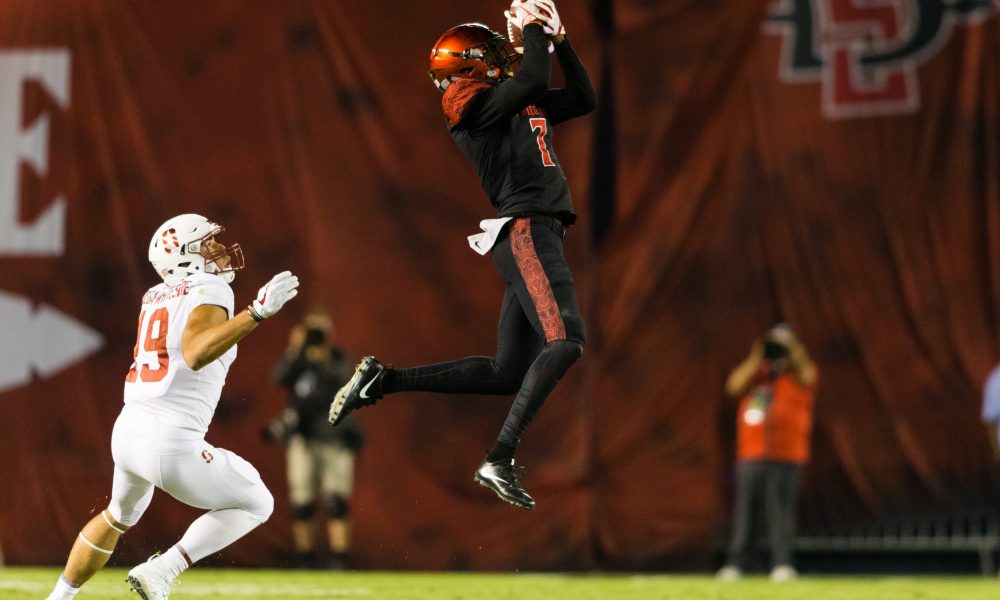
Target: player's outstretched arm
578,97
527,87
209,332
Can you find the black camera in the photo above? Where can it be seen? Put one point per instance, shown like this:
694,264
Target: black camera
775,350
315,337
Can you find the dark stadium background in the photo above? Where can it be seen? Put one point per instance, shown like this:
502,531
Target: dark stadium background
724,184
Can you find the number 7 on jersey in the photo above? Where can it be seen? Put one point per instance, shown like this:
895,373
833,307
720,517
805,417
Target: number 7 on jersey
542,126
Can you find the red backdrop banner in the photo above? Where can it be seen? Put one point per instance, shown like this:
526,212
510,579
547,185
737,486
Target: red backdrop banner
825,162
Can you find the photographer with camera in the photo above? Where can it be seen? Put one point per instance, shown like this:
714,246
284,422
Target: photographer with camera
313,369
775,384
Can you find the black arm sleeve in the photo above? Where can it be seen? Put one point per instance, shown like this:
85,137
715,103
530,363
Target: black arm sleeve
578,97
512,95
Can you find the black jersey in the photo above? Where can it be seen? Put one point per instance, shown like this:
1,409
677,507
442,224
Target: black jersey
505,130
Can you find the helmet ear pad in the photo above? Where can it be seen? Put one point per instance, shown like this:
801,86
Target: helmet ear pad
471,51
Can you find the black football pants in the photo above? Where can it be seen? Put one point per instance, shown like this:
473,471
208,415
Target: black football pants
540,333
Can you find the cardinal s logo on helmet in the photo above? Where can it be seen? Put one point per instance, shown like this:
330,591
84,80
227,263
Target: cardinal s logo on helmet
471,51
186,245
169,240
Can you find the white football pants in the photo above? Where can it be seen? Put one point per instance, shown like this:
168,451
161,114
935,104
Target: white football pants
183,464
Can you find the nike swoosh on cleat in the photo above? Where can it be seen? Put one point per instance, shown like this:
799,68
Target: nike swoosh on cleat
364,390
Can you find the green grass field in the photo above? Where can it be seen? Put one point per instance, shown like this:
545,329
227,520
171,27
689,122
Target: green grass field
18,583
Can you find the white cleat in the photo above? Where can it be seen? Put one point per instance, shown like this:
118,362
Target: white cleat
729,573
150,581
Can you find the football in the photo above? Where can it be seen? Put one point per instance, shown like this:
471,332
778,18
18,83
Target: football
514,33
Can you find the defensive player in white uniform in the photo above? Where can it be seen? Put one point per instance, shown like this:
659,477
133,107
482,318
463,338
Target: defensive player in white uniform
188,330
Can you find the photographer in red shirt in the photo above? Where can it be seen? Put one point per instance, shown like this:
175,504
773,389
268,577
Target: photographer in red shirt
776,384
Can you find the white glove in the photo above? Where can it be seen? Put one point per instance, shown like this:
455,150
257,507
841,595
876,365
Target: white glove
517,18
545,11
274,295
519,15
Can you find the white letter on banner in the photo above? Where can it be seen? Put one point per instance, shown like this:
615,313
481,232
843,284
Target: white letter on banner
47,235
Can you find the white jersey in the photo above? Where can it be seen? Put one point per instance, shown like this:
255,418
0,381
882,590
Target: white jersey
160,384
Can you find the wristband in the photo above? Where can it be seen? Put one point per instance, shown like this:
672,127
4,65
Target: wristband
254,314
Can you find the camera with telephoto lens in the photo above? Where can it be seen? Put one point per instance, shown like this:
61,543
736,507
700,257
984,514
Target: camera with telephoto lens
777,342
775,350
314,337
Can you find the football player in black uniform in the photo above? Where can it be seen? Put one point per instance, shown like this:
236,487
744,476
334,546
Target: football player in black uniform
503,124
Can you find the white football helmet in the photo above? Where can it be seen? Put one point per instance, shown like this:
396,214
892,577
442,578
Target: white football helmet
179,249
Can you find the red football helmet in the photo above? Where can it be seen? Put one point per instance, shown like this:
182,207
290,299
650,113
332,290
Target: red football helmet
471,51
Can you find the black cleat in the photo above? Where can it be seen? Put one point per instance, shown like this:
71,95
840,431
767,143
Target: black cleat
363,389
505,479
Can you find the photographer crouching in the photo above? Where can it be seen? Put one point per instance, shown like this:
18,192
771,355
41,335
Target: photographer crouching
320,457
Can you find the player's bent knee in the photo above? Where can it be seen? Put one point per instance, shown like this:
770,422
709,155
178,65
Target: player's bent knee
125,518
267,507
113,523
566,352
261,505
